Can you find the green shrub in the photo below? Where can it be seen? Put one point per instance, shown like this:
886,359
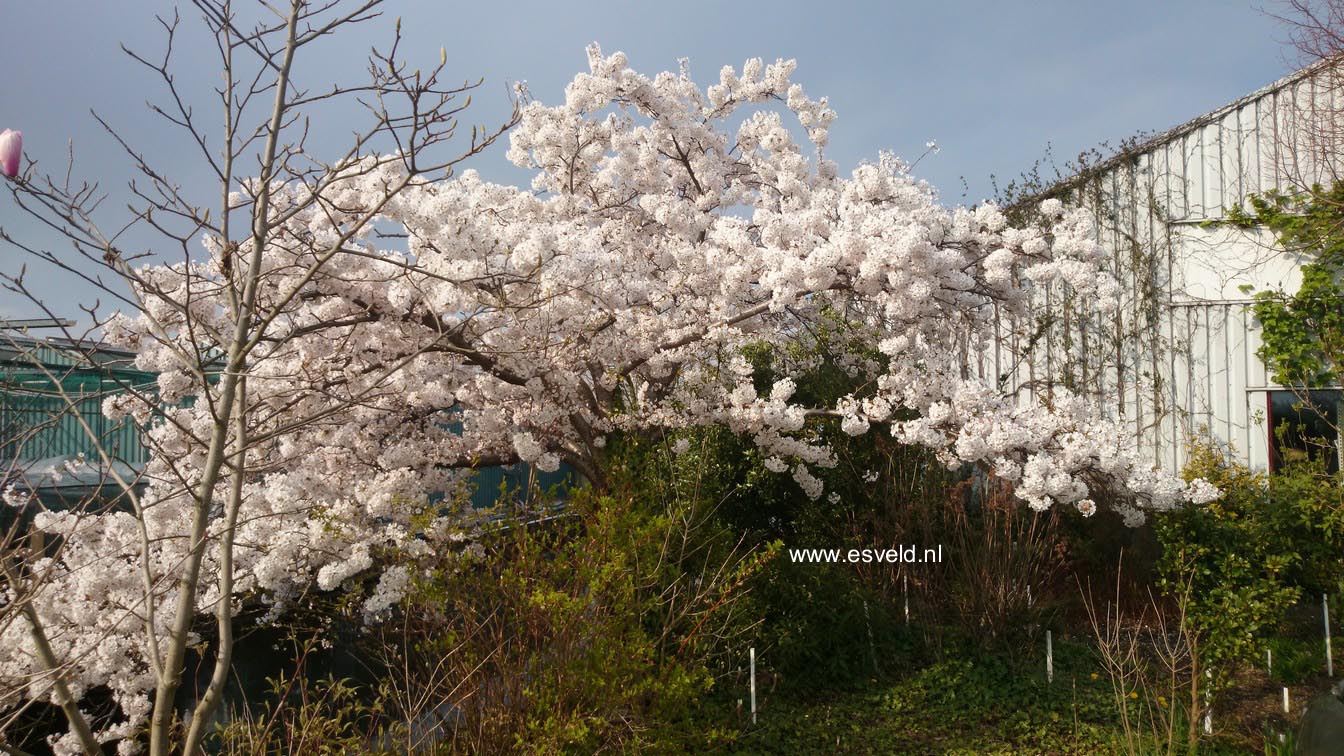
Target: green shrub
1267,543
586,632
1235,556
327,716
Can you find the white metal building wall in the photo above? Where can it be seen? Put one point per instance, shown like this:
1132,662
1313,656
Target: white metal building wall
1179,357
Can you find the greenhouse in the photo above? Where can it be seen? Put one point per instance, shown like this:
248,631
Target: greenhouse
51,423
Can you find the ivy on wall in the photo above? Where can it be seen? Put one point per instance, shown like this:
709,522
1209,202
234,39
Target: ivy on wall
1302,331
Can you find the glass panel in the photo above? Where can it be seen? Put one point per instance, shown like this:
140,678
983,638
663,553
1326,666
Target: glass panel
1304,426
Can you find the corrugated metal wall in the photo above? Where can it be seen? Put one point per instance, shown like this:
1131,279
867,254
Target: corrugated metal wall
41,418
50,390
39,424
1178,359
491,484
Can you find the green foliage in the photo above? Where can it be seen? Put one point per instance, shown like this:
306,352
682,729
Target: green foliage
326,716
1307,505
1280,741
581,634
1249,556
1303,331
1235,555
1296,661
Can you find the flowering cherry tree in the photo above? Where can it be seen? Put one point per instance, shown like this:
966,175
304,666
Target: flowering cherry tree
380,331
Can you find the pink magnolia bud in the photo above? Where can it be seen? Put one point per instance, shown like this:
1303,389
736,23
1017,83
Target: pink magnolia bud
11,149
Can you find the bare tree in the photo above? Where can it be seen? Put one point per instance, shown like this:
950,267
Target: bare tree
264,118
1310,131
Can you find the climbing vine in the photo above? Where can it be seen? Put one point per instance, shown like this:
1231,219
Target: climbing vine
1302,331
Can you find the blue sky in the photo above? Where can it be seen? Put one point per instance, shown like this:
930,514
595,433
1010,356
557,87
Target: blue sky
993,82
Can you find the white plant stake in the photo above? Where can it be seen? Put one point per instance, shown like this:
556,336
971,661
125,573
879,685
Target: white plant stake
1329,660
1269,661
1286,710
905,591
753,685
1208,709
872,644
1049,658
